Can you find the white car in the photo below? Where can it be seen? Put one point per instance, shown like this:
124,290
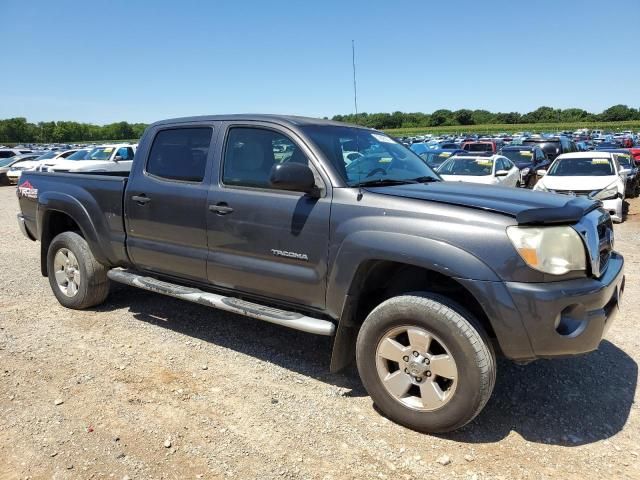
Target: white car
490,170
45,165
12,152
105,158
13,175
594,174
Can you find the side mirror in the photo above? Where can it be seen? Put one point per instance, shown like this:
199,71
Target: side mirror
117,158
541,172
295,177
502,173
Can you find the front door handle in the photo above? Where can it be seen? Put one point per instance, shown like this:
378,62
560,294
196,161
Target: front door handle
220,208
140,199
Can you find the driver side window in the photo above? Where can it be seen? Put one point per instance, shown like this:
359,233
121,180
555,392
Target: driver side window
251,153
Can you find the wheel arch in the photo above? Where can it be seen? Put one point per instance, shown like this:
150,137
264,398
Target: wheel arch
58,213
377,280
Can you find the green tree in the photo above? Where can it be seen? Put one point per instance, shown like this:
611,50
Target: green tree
617,113
464,117
441,117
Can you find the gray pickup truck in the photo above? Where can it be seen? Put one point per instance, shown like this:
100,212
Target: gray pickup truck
338,230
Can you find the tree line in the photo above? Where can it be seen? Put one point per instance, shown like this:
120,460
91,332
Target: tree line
443,117
19,130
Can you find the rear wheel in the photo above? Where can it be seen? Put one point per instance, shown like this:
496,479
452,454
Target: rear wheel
426,362
77,279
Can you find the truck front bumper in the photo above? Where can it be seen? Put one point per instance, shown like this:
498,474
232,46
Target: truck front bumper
552,319
569,317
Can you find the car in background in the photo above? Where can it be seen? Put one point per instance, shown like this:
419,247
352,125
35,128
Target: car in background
13,175
480,146
583,146
628,169
73,154
486,169
105,158
420,147
552,146
635,153
594,174
606,145
529,159
436,157
7,163
12,152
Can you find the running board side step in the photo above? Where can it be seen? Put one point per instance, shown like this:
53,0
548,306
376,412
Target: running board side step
293,320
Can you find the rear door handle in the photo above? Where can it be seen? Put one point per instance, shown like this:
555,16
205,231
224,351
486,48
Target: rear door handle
220,208
141,199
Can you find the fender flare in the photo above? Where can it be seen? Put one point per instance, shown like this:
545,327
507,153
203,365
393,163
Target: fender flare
363,246
69,205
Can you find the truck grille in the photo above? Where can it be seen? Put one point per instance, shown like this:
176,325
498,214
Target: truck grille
605,241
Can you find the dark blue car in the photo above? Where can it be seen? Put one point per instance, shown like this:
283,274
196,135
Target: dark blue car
529,159
436,157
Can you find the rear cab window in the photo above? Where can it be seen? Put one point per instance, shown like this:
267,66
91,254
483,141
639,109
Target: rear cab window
180,154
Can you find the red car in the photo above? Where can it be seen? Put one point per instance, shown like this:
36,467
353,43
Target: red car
482,146
635,153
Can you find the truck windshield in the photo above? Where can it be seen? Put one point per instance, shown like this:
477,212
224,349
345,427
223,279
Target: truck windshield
79,155
99,153
581,167
363,156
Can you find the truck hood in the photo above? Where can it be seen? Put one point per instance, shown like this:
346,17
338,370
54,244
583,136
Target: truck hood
526,206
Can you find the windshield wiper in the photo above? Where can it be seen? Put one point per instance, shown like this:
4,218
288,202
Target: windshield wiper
425,179
381,182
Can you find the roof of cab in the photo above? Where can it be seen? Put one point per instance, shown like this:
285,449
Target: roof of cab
292,120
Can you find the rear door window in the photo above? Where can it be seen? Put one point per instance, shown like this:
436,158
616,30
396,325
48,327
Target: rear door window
180,154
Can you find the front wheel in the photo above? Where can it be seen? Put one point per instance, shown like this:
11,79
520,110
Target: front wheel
77,279
425,362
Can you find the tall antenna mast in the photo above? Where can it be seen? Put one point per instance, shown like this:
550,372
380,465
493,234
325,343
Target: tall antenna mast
353,62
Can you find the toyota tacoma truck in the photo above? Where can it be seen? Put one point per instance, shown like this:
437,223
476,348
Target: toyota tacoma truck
421,281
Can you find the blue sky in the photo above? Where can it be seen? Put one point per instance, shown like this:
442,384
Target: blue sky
105,61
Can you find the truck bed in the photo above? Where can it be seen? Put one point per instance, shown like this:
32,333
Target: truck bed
99,194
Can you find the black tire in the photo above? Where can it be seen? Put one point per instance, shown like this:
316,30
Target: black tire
93,287
466,341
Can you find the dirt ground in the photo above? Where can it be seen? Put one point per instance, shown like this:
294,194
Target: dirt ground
150,387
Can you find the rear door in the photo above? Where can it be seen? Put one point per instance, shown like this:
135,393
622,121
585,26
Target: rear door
166,201
263,241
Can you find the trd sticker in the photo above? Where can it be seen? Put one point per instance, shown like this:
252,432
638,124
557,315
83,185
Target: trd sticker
27,190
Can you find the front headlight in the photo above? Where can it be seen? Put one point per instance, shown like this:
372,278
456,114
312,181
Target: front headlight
607,193
525,171
554,250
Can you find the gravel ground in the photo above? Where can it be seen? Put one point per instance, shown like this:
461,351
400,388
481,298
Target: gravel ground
150,387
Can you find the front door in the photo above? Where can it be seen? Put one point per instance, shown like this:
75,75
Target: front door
166,203
268,242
